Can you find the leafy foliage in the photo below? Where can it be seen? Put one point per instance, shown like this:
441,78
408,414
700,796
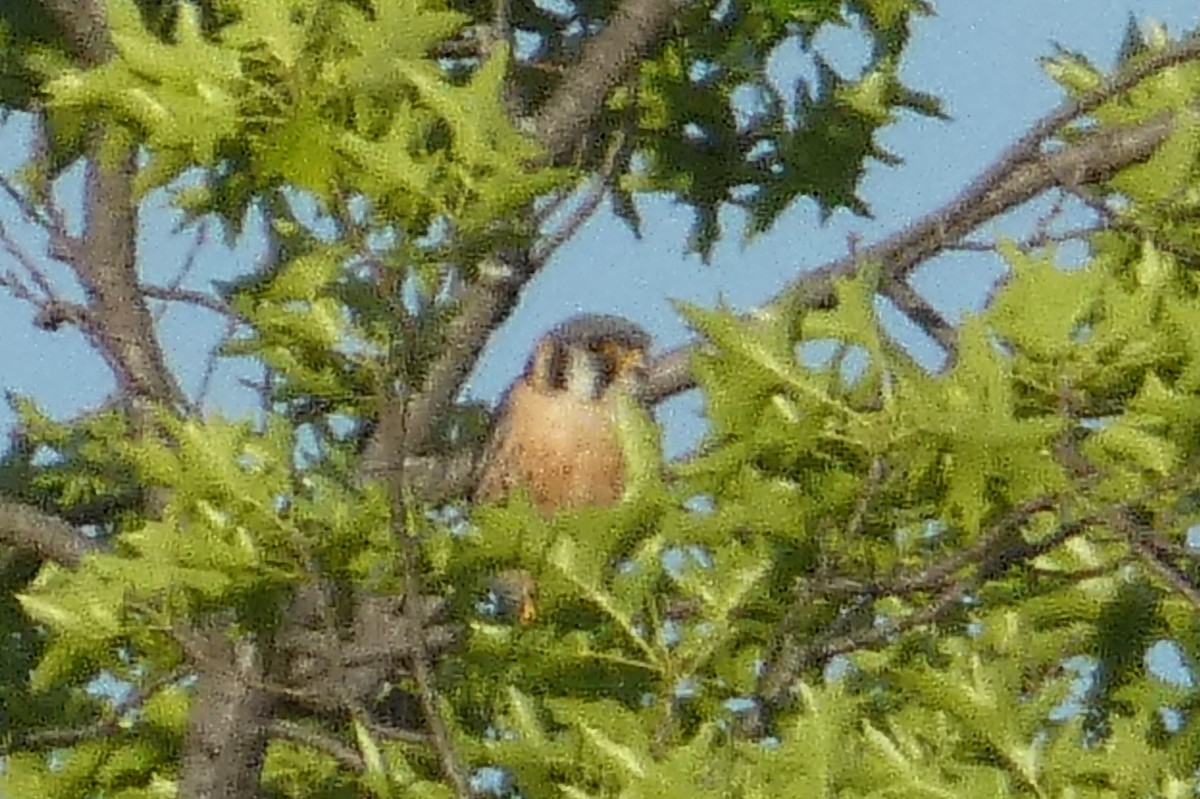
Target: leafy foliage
869,580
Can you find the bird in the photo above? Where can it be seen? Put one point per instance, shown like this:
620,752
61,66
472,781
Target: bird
555,435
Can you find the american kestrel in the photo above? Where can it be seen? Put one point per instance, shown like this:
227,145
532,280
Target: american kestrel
555,432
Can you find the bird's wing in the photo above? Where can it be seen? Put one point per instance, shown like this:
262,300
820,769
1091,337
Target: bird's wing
495,478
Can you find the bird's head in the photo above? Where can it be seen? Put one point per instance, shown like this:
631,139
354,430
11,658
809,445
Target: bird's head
590,355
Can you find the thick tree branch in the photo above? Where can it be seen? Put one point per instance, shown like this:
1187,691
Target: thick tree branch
226,738
26,527
120,324
86,28
632,34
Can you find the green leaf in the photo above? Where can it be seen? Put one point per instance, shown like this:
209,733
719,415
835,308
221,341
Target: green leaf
1042,307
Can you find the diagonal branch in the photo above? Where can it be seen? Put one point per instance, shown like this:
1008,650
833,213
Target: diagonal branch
633,33
1010,183
1157,554
26,527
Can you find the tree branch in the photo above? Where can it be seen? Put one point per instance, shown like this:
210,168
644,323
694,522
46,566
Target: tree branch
995,553
121,326
1004,186
226,737
1156,554
26,527
633,33
86,28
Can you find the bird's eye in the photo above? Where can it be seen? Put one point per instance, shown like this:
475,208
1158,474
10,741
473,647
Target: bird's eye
609,361
617,362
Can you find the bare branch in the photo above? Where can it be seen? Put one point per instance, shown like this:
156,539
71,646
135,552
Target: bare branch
86,28
347,756
582,213
63,245
633,33
1094,159
1158,555
189,263
26,527
1037,240
210,370
189,297
31,267
921,312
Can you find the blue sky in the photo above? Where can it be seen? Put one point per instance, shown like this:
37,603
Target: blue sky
979,57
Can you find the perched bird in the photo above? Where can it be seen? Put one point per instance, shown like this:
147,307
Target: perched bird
555,432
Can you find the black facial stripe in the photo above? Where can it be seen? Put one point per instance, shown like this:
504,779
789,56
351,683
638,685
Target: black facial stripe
608,366
558,367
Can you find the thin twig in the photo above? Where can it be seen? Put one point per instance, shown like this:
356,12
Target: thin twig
1034,242
344,754
921,312
210,369
31,267
439,733
189,263
1156,554
189,297
63,246
583,212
